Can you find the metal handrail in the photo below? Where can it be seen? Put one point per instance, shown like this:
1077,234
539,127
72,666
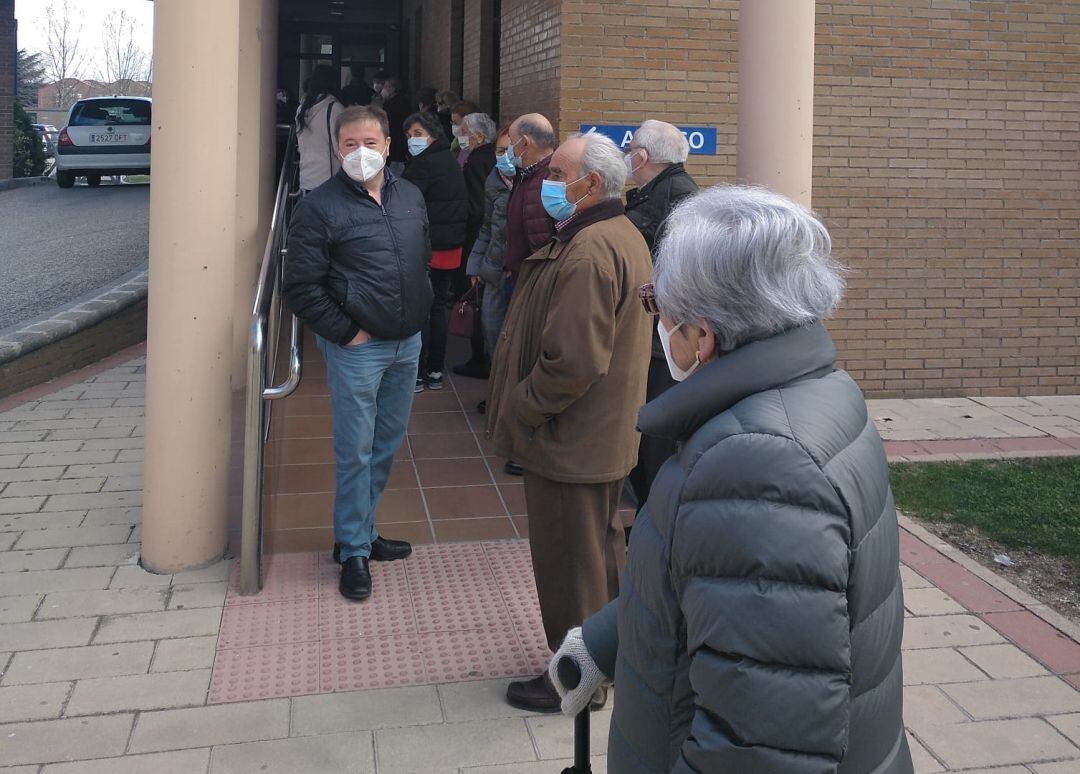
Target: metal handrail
260,372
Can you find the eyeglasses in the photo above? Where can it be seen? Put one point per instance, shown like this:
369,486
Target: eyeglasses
647,294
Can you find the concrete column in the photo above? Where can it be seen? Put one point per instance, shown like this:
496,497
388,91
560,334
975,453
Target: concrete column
776,96
210,61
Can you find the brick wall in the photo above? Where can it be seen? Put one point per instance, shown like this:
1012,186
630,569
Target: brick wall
946,165
947,161
7,85
530,52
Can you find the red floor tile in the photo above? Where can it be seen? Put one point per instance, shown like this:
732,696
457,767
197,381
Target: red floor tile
966,588
269,623
267,672
372,662
1039,639
915,553
1031,444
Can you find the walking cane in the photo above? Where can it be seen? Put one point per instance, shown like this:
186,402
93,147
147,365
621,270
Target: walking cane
570,676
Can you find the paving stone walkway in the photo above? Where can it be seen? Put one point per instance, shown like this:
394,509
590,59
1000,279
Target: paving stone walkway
107,668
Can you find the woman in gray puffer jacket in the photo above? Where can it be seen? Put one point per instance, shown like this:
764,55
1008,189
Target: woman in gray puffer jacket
759,622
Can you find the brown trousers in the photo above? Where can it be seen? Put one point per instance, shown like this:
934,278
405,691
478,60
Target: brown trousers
578,550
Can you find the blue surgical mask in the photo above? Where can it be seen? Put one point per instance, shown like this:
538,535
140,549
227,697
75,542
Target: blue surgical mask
553,197
517,161
417,145
506,164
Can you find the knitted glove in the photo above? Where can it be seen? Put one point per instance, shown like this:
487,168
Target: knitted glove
573,647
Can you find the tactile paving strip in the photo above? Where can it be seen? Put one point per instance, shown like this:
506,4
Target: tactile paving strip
452,612
246,674
285,577
374,662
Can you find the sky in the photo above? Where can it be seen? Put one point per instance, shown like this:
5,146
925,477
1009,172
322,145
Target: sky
31,17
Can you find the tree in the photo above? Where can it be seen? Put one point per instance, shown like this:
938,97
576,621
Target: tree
29,158
64,54
126,63
30,75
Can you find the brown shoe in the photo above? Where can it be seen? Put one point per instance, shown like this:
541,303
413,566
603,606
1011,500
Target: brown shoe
536,695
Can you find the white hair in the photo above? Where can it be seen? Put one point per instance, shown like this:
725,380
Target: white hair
750,262
665,143
602,155
480,123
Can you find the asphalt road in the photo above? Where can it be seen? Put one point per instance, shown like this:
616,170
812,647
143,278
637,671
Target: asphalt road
57,245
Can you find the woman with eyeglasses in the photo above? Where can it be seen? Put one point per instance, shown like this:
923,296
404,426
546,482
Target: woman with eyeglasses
760,616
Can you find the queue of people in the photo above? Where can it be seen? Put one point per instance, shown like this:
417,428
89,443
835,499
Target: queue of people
674,336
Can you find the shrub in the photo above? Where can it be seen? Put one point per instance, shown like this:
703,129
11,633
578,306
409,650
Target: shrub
29,154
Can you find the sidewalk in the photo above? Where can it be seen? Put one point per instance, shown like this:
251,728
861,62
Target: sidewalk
106,668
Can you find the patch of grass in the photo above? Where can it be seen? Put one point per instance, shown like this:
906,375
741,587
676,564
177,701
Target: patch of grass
1025,503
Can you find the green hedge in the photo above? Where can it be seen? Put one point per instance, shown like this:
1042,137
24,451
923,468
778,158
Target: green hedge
29,153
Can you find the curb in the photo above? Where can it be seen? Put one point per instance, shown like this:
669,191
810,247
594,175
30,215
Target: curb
22,182
80,314
1009,589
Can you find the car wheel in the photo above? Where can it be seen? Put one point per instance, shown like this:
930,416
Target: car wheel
65,179
93,180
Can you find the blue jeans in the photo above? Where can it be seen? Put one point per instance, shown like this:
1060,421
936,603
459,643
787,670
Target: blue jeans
371,394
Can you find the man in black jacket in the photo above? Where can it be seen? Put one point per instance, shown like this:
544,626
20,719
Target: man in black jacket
357,276
655,160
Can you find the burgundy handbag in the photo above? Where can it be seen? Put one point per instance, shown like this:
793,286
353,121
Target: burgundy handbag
464,317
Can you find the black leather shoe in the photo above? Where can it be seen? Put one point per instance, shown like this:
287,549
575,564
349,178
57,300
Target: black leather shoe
481,407
511,468
385,550
536,695
355,578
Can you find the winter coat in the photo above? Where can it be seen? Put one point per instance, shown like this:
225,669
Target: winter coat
477,168
528,226
486,258
759,620
317,145
570,368
356,265
648,208
439,179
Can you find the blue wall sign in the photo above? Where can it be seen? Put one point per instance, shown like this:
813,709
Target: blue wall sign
702,139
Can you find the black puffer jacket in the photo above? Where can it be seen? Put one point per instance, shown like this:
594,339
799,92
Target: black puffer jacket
437,174
649,206
355,265
759,620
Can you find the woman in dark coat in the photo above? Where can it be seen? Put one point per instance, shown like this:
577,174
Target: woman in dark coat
759,620
433,169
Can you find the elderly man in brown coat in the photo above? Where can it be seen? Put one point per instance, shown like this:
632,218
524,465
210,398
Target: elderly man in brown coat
568,379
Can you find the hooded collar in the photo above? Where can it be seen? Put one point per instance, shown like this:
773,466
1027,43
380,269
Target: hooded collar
762,365
605,210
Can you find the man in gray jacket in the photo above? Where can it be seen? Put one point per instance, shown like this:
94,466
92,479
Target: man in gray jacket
759,620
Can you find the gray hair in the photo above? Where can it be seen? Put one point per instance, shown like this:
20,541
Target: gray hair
603,156
480,123
665,143
540,134
748,261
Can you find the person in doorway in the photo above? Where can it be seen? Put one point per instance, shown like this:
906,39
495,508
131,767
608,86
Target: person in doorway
759,623
425,101
485,265
656,161
446,99
568,378
357,276
357,92
378,82
432,170
478,131
458,112
398,107
315,129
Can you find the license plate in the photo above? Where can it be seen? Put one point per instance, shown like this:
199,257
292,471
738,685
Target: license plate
111,138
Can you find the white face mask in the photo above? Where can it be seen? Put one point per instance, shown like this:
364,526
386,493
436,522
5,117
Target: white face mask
363,164
463,141
628,159
678,373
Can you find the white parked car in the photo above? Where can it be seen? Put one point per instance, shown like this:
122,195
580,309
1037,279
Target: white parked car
104,136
